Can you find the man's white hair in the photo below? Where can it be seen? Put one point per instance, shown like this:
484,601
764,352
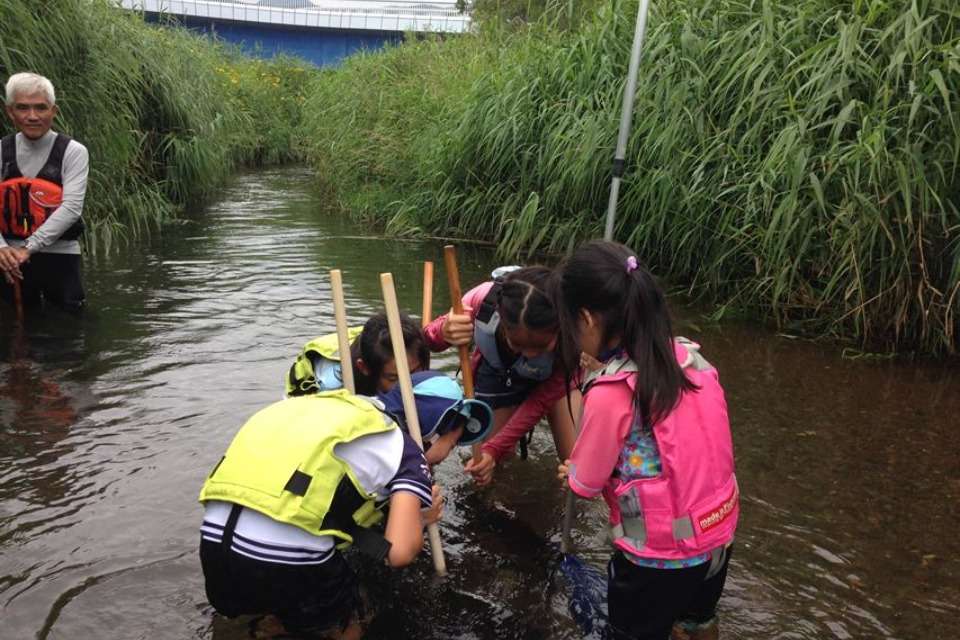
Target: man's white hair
29,83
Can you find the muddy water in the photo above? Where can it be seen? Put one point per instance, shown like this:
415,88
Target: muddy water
850,469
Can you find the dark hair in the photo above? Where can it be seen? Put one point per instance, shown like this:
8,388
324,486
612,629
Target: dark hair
525,299
374,346
633,308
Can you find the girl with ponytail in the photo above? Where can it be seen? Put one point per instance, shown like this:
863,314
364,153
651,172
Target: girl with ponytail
654,441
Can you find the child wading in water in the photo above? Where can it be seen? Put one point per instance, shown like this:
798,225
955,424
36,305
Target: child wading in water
317,368
306,477
654,440
513,324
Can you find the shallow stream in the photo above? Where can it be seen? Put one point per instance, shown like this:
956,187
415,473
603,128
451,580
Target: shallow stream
850,469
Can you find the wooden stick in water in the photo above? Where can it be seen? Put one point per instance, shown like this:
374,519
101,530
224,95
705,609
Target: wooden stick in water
427,311
18,300
406,392
343,339
456,300
456,295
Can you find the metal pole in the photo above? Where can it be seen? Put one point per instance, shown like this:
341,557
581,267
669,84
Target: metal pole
626,116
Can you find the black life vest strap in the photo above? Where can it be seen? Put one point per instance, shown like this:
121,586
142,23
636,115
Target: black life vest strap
229,528
8,159
8,196
524,442
53,168
23,220
292,380
346,500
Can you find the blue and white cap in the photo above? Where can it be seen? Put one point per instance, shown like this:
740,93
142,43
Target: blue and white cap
439,401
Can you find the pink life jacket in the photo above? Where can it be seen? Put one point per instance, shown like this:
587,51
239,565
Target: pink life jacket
692,507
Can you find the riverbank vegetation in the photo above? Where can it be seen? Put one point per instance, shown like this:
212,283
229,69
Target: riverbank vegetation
165,114
792,159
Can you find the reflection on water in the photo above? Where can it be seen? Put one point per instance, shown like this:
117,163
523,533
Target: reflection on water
108,424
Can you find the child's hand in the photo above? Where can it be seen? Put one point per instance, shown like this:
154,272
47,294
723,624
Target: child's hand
457,329
433,514
563,471
481,468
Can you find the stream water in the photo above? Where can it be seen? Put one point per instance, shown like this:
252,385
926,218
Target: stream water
850,469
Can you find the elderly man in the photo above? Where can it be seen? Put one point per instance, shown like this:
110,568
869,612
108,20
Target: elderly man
43,179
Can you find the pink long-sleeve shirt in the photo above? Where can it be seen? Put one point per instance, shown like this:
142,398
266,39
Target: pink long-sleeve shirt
534,407
608,416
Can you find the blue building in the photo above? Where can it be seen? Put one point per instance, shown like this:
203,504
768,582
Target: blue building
323,32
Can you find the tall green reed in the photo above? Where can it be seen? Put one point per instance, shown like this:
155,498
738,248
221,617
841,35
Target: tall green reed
794,158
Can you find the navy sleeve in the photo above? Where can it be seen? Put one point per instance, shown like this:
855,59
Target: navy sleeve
413,476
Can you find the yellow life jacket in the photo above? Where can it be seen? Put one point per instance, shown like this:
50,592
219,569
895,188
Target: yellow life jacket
283,464
317,368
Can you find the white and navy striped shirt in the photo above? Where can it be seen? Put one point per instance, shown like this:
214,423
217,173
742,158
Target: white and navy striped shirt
383,463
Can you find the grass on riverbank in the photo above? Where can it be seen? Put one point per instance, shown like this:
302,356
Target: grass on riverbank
165,114
796,158
370,125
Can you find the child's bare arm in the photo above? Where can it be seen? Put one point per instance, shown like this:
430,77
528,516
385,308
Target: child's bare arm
404,529
440,449
405,524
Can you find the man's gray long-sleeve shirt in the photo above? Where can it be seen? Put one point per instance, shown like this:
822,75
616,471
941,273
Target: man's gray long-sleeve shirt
31,156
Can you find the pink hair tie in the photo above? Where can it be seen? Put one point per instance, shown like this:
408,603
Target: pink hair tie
631,264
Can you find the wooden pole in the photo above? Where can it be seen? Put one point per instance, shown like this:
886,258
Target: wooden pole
456,295
343,340
18,300
427,310
406,391
456,300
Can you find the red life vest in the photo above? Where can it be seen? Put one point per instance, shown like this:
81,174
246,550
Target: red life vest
26,203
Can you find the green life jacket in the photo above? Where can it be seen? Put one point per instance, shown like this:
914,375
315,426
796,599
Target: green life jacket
317,368
282,463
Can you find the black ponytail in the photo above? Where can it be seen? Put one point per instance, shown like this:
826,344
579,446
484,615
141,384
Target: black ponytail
607,279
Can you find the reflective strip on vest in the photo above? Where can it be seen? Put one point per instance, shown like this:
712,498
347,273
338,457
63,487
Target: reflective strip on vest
634,530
